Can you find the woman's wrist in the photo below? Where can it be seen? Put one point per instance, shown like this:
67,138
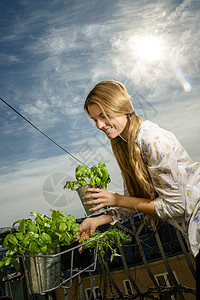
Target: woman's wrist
104,218
118,201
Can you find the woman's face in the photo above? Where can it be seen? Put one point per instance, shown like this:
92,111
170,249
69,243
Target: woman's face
116,125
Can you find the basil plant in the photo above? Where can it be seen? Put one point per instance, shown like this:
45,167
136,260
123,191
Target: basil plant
97,176
42,235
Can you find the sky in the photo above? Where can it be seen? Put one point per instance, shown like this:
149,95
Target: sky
52,53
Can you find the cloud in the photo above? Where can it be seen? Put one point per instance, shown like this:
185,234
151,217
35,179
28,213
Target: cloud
180,37
179,115
55,42
6,59
53,55
23,190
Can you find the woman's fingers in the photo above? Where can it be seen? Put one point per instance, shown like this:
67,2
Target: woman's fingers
96,201
94,190
95,193
103,198
87,228
92,194
100,203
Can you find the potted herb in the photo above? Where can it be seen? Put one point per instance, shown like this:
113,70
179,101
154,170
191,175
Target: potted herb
97,176
110,240
35,238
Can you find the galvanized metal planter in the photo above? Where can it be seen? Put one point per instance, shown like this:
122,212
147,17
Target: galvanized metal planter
43,271
81,193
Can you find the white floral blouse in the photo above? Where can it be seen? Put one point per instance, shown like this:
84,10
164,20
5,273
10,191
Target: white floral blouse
176,179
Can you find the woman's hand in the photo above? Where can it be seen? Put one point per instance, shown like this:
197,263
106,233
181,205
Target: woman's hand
87,228
89,225
101,197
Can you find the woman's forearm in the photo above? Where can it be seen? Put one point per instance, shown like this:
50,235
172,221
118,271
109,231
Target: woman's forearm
104,198
143,205
103,219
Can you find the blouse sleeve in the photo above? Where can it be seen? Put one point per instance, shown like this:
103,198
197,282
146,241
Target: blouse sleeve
160,150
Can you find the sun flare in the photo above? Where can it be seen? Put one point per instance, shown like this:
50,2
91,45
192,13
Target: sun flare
147,48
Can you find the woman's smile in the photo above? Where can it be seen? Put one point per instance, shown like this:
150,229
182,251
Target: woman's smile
113,127
107,130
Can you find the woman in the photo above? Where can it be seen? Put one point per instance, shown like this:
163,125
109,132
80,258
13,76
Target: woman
160,178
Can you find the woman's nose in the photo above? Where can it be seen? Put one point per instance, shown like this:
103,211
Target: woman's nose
100,124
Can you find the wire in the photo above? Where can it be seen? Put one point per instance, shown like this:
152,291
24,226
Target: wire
42,132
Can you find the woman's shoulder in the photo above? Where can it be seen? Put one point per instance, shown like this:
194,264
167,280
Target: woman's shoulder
147,129
150,133
147,125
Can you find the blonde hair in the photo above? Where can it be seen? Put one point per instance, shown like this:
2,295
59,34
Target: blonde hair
113,99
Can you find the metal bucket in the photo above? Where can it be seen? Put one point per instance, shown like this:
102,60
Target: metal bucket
43,272
81,194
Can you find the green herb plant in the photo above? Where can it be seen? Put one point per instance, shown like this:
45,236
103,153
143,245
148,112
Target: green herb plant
97,176
42,234
111,240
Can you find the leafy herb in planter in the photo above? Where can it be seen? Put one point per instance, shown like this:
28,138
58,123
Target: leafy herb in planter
111,240
97,176
42,234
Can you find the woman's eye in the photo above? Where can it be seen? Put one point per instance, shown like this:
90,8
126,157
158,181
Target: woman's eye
105,117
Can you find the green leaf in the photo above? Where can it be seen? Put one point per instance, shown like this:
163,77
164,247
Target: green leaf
62,213
16,222
2,264
41,242
15,264
46,237
8,261
25,243
33,248
97,181
19,236
29,236
101,165
10,252
99,173
43,249
35,235
22,226
67,240
75,227
33,214
31,226
105,174
53,226
71,218
92,181
62,227
12,239
21,250
5,241
104,185
12,247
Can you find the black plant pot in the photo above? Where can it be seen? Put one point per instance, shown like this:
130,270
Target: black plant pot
79,261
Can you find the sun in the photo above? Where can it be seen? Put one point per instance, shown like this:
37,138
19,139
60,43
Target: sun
148,48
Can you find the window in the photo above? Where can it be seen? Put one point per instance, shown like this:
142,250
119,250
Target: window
164,280
96,294
128,287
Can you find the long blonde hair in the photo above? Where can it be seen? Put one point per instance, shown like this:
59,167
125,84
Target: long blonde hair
113,99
